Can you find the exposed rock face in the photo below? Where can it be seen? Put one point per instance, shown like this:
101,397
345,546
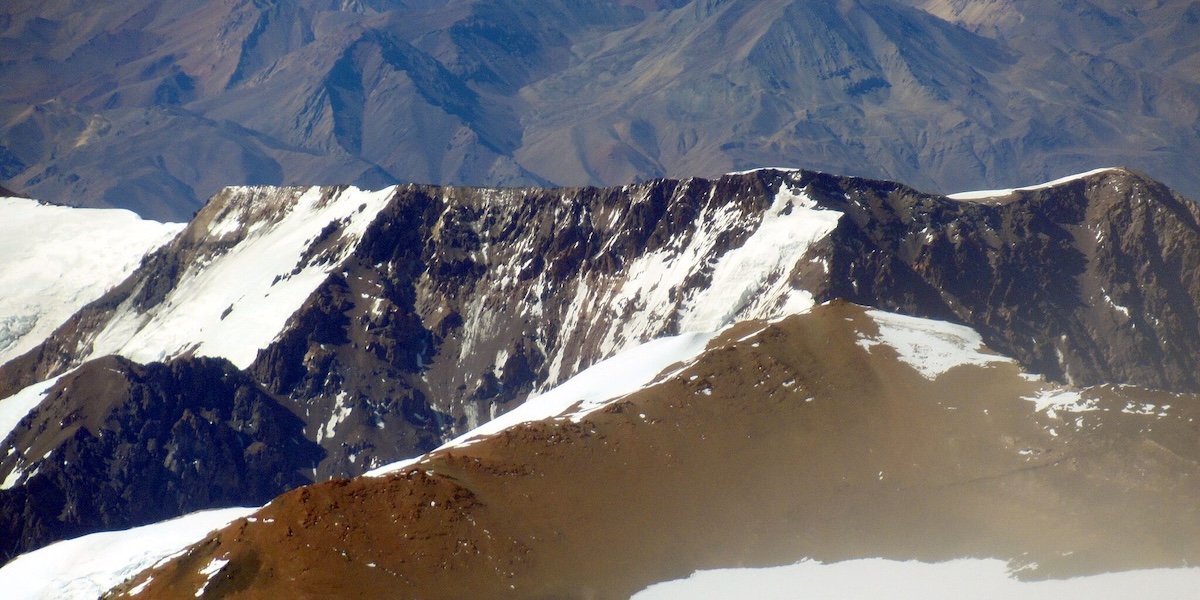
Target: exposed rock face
1091,281
391,321
117,444
782,441
154,105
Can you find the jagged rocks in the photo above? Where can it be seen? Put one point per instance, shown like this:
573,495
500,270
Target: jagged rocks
402,318
1090,281
117,444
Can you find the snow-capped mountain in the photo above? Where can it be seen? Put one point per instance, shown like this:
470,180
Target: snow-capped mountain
291,335
839,433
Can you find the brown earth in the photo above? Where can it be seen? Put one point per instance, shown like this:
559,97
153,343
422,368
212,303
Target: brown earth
794,442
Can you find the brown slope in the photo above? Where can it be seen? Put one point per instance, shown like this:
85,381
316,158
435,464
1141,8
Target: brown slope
773,446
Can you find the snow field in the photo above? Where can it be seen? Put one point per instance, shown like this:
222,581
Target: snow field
56,259
880,579
237,304
982,194
931,347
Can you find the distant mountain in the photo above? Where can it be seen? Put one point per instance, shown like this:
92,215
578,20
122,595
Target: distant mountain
291,335
155,106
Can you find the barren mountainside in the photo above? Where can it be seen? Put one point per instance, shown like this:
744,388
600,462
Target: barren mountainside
155,106
351,329
789,440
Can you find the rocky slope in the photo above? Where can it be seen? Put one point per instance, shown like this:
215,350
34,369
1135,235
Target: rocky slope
147,443
389,322
155,106
831,435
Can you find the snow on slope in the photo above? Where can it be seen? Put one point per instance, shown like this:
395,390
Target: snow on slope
590,390
748,282
879,579
931,347
55,259
236,304
981,194
86,567
13,409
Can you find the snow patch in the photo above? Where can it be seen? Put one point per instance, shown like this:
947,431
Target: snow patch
931,347
981,194
880,579
15,407
86,567
209,571
759,169
340,411
1053,400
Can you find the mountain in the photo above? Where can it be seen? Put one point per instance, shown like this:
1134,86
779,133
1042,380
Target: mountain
836,434
155,106
840,433
288,336
91,250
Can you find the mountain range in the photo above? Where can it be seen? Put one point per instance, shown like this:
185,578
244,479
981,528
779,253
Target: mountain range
582,392
155,106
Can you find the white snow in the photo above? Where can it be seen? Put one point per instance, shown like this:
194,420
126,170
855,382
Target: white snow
741,277
56,259
757,169
931,347
748,282
341,410
86,567
880,579
590,390
1055,399
1117,307
235,306
15,407
981,194
209,571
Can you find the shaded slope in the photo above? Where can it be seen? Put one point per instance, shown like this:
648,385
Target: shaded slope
116,444
1090,280
781,441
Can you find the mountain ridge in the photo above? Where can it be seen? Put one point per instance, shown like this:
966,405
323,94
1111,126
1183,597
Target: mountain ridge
389,337
977,468
182,101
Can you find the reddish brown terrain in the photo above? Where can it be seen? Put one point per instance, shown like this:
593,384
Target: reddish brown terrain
782,441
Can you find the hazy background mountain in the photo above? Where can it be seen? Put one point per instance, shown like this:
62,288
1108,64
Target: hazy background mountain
155,106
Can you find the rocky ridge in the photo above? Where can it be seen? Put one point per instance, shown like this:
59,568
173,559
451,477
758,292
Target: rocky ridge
408,316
